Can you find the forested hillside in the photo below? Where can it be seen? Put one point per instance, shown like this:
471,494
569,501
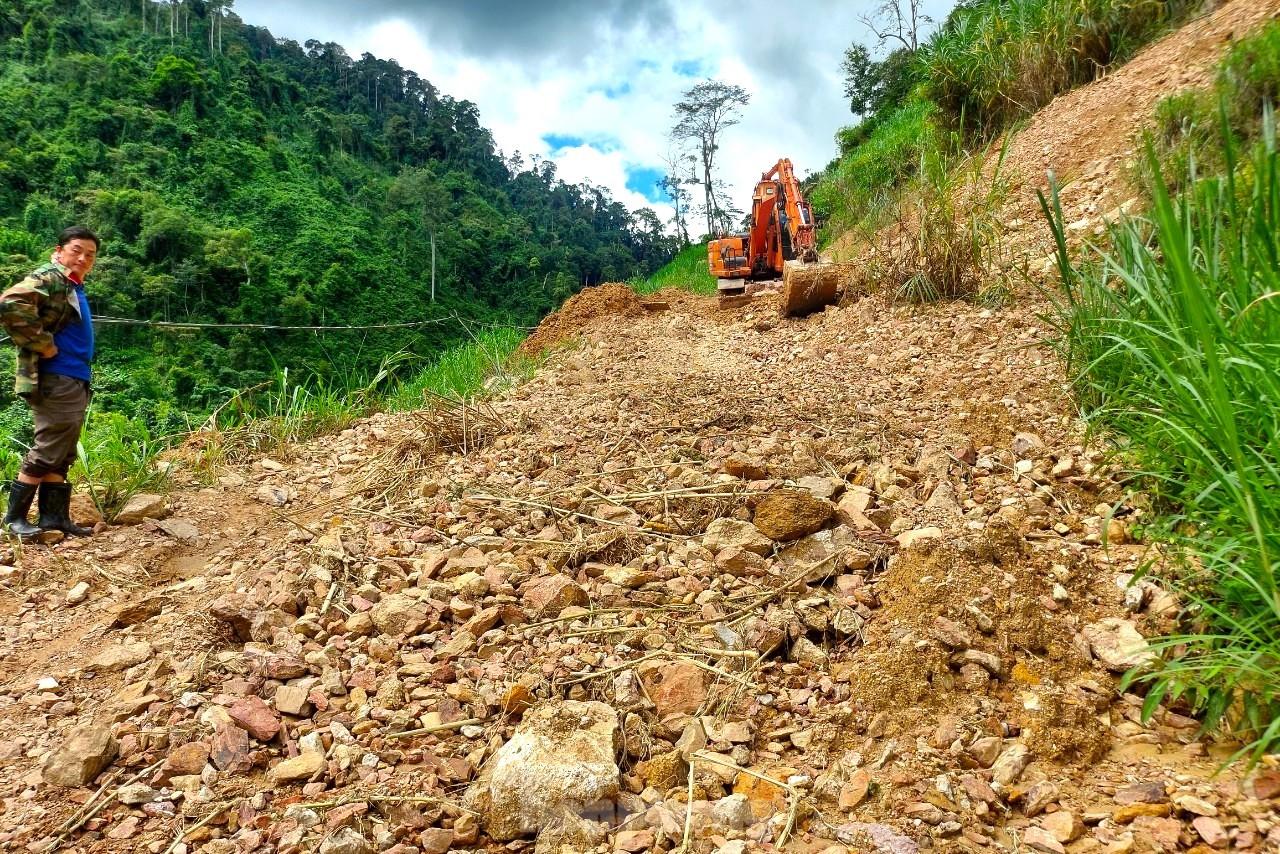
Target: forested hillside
236,177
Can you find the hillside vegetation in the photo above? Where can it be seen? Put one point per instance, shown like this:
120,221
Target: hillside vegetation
991,64
240,178
1171,333
1167,321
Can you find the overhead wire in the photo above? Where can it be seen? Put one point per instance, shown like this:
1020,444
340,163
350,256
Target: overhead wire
177,324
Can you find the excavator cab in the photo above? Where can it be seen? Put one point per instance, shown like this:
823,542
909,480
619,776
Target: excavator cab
728,262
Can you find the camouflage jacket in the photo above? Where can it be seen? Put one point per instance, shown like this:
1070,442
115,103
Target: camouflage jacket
31,312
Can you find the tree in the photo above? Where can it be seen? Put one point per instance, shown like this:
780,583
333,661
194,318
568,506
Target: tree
673,184
175,81
897,20
872,85
861,78
707,110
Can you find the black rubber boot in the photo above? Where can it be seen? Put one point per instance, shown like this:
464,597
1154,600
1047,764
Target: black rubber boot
15,518
55,510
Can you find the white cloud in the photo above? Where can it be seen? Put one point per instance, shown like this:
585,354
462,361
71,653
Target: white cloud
790,64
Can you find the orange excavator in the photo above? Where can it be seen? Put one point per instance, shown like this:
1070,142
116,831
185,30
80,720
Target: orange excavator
781,230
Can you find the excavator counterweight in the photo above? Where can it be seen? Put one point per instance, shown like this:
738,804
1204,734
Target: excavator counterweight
781,238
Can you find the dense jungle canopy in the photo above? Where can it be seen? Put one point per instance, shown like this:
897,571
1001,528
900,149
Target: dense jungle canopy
237,177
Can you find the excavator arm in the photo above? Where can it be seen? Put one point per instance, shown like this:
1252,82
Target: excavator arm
782,229
798,221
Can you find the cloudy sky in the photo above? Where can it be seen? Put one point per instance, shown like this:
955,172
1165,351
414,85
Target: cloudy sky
591,83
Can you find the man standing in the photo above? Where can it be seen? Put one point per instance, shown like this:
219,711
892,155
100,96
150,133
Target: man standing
47,316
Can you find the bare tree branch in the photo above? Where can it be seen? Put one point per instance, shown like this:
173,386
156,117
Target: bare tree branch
897,20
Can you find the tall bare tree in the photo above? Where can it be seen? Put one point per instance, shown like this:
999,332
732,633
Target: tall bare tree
707,110
897,20
679,163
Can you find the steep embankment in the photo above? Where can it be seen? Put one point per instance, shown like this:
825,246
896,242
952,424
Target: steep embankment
849,567
1090,138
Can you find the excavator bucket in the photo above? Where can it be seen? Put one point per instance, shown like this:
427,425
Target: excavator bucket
808,287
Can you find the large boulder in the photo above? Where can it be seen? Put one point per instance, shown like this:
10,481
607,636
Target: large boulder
397,614
675,687
84,754
561,760
727,533
121,657
791,514
1118,644
549,595
237,610
142,506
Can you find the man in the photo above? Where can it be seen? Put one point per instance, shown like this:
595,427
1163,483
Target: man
47,316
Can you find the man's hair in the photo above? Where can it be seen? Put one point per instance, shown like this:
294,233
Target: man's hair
78,232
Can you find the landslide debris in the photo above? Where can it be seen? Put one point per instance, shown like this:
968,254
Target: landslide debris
712,580
613,299
850,597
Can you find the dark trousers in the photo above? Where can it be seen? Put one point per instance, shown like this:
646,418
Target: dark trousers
58,412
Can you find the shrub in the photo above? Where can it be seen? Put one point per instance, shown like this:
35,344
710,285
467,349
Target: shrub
1001,60
687,271
117,459
1188,124
1251,72
946,240
467,369
859,190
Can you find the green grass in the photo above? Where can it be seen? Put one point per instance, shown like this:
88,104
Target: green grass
687,271
864,184
994,63
1172,337
117,457
1002,60
466,370
120,456
269,418
1187,132
950,213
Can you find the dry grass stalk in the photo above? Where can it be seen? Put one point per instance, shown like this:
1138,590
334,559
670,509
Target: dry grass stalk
394,475
386,799
447,727
458,425
93,806
793,796
218,810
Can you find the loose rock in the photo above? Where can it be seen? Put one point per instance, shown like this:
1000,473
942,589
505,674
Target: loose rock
83,756
791,514
560,759
1118,645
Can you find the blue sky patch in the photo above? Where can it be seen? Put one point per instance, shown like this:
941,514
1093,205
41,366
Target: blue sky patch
644,180
612,92
558,142
689,68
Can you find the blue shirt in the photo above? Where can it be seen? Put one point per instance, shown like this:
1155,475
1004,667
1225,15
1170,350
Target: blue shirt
75,345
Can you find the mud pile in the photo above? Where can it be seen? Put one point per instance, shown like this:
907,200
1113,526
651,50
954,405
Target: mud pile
612,299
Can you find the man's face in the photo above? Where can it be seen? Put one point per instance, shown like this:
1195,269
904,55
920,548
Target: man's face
77,256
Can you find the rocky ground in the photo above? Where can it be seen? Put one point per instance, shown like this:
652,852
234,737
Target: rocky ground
710,578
